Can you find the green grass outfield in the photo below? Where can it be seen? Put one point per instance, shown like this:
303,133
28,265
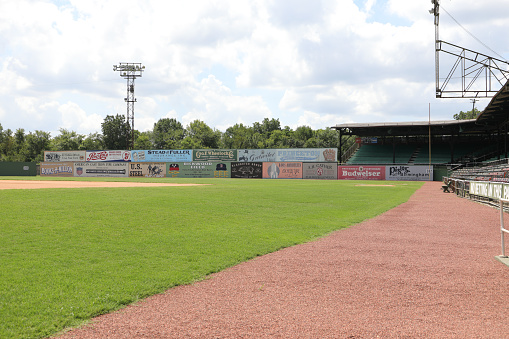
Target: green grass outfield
67,255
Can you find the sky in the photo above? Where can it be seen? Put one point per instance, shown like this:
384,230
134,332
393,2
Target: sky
313,63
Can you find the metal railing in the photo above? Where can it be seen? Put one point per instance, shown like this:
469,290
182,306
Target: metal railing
502,229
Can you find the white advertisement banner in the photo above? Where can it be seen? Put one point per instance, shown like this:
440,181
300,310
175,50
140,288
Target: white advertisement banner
409,173
64,156
101,169
288,155
489,189
108,156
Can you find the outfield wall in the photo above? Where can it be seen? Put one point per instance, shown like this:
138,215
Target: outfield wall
18,168
283,163
241,170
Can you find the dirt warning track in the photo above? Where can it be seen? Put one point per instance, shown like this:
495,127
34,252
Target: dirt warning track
34,184
424,269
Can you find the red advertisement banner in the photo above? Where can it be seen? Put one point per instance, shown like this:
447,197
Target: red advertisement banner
361,172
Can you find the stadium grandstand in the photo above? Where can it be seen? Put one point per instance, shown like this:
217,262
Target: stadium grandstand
467,148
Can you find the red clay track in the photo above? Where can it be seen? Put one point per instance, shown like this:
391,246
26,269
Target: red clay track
35,184
425,269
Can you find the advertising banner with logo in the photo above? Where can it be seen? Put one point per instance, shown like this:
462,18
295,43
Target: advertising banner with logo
289,154
361,172
162,155
215,155
101,169
282,170
57,169
251,170
147,169
322,170
64,156
198,169
108,156
257,155
409,173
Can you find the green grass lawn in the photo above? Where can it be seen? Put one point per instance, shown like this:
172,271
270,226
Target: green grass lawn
67,255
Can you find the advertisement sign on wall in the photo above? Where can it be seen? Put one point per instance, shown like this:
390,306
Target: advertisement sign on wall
57,169
322,170
361,172
101,169
251,170
307,154
162,155
489,189
147,169
257,155
282,170
197,169
289,154
108,156
409,173
64,156
215,155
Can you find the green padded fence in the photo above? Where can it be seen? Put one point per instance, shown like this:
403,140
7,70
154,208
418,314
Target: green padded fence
18,169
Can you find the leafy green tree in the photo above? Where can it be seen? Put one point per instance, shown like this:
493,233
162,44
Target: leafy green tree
278,139
168,134
472,114
327,137
7,146
238,136
267,126
36,144
67,141
143,141
303,136
115,131
200,135
93,142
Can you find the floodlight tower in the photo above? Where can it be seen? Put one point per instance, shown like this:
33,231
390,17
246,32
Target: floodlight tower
130,71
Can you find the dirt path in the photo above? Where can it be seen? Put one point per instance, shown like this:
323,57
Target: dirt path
425,269
34,184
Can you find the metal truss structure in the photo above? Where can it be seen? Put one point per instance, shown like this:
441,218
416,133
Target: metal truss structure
480,76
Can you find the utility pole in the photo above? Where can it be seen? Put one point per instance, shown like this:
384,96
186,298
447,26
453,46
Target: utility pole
130,71
473,104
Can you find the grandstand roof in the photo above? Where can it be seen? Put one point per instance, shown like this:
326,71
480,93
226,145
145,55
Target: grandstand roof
443,127
495,115
497,111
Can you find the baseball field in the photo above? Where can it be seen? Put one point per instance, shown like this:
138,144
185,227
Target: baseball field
72,250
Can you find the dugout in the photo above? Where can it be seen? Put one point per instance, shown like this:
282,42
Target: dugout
453,143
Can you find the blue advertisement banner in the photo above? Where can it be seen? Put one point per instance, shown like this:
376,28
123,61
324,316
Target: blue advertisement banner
177,155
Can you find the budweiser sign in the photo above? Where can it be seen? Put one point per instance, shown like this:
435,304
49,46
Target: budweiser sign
361,172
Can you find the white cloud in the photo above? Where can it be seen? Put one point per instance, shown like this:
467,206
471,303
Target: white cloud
232,61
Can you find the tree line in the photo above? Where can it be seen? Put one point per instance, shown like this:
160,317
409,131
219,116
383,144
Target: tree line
168,133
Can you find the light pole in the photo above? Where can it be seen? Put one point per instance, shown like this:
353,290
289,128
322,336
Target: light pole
130,71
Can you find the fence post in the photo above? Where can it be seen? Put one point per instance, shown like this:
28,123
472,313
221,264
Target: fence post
502,229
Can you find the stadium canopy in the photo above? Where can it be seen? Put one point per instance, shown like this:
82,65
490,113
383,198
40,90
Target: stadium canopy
382,129
491,120
496,113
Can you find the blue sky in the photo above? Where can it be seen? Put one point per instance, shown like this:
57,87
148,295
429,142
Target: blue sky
305,62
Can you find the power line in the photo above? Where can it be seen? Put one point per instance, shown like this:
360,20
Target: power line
473,36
